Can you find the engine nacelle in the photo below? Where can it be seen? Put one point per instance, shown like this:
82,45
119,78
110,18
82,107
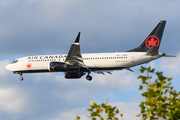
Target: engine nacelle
57,66
73,75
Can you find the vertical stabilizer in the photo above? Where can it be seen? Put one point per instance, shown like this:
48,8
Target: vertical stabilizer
153,39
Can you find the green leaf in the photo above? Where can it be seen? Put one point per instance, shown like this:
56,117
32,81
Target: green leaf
111,114
141,105
107,102
116,118
95,105
90,110
160,76
93,118
158,85
169,79
117,111
145,94
113,108
77,118
103,105
142,69
149,69
152,70
101,118
165,91
140,87
94,114
169,83
142,77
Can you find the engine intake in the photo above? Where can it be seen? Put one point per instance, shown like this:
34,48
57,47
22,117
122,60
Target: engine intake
57,66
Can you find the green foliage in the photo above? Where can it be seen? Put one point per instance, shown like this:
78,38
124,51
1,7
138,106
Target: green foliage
161,100
77,118
102,111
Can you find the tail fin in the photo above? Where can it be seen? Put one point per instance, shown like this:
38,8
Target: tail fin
153,39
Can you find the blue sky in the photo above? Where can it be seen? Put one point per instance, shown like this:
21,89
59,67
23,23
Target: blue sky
42,27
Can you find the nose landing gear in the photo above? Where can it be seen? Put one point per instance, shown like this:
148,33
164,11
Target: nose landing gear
19,73
21,78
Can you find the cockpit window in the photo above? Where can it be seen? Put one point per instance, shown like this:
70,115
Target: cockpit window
15,61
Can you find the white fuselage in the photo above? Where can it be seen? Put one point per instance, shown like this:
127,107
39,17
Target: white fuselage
98,61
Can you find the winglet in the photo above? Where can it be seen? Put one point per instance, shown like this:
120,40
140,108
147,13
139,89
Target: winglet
152,51
77,38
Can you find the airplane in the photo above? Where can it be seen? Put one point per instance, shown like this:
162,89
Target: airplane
75,65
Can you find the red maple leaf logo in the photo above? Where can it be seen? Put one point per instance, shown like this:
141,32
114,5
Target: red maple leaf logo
152,42
28,65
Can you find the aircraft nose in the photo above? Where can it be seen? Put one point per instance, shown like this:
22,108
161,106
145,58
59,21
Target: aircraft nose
8,67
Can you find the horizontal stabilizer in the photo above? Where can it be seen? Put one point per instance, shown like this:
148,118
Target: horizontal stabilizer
169,56
152,51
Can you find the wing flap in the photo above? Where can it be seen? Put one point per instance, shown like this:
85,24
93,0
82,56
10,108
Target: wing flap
129,69
79,58
102,72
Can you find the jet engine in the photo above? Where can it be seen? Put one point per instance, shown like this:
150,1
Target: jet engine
72,75
57,66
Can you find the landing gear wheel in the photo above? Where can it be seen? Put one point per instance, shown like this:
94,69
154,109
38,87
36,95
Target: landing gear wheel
21,78
88,77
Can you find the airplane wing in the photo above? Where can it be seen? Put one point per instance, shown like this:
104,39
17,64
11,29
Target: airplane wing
74,57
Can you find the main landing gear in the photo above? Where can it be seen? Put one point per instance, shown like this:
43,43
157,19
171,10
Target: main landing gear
88,77
21,78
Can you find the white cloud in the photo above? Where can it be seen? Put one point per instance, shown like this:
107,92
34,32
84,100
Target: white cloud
118,83
118,79
39,77
171,65
12,100
152,64
3,64
128,109
7,2
71,114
